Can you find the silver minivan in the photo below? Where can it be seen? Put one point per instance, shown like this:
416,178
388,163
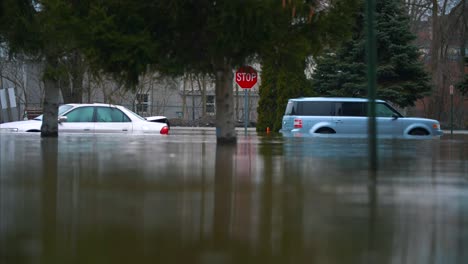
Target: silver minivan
348,117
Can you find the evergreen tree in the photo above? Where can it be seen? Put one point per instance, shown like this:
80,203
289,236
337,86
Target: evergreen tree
213,37
209,37
280,84
401,78
49,30
283,63
462,86
283,58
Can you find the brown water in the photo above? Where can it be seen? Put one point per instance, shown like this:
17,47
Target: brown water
181,199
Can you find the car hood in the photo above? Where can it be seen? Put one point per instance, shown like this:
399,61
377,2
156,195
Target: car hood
419,119
22,126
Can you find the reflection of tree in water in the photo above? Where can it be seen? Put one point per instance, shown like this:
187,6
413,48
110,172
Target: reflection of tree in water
224,169
266,203
12,247
292,209
49,147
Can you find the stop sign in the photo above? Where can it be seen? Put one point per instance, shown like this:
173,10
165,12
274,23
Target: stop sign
246,77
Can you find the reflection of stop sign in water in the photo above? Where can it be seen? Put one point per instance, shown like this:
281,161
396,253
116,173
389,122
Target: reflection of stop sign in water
246,77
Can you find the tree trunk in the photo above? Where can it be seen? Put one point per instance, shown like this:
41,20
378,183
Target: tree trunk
436,71
184,97
463,27
77,86
193,97
66,89
435,43
49,126
202,86
225,126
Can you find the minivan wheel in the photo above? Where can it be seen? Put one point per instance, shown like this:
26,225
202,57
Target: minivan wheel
419,132
325,130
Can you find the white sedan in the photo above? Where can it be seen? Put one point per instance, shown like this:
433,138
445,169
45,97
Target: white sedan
159,119
93,118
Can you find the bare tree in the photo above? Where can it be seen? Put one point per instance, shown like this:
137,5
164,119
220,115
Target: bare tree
159,90
184,95
447,32
71,83
443,25
418,11
112,92
463,33
201,81
24,76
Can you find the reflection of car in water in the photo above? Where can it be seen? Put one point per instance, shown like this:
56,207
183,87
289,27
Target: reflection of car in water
93,118
348,116
352,154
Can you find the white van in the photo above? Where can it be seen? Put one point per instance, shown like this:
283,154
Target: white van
348,116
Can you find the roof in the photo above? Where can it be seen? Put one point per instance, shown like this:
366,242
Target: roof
334,99
94,104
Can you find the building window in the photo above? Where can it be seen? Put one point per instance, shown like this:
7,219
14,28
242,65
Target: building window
210,104
142,103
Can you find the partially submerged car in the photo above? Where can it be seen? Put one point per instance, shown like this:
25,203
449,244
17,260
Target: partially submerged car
159,119
93,118
348,117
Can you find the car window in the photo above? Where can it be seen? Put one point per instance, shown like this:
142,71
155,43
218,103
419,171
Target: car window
313,109
382,110
110,114
62,109
134,114
81,114
351,109
289,108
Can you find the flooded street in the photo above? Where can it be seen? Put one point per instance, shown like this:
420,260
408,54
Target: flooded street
182,199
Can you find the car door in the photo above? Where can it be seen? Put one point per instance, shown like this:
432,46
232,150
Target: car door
112,120
387,123
350,118
78,120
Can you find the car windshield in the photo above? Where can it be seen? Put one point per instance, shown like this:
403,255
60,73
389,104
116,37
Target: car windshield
62,109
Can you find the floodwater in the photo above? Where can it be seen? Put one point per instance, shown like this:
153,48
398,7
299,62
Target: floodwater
182,199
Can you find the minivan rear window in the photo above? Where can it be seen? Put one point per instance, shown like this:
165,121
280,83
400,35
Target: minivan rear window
289,108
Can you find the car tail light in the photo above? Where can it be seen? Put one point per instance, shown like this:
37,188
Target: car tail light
164,130
297,123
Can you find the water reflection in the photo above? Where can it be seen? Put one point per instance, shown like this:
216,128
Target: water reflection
101,199
48,206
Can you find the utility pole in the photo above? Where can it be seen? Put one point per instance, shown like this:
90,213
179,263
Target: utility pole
371,83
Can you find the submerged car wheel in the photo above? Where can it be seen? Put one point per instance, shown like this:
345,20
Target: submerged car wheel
419,132
325,130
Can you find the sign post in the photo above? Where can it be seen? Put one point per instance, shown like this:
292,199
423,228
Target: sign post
246,78
371,49
246,110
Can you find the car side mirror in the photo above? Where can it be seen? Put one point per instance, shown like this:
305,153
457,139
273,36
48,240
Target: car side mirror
62,119
395,116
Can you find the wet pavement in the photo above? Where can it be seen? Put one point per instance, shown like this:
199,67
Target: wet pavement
182,199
